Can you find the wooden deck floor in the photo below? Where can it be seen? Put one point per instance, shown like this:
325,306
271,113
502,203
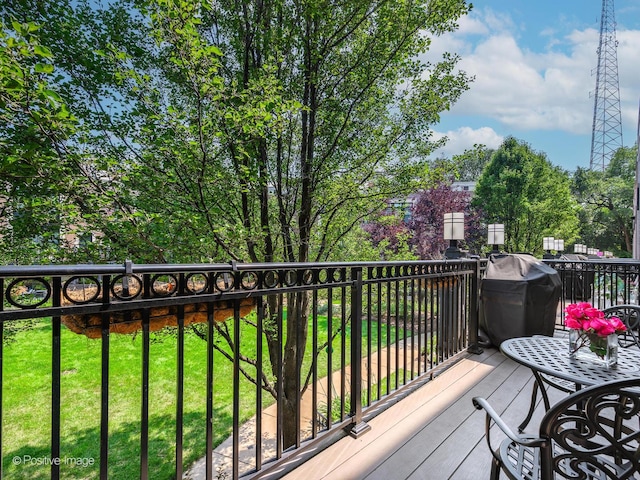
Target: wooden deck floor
434,433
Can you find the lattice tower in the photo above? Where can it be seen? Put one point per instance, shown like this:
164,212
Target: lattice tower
606,136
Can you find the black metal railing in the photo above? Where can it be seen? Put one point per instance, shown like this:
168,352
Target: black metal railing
602,283
365,333
280,359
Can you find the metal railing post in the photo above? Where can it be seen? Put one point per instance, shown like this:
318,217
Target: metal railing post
358,427
474,307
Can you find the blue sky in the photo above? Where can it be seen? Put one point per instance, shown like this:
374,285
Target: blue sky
534,64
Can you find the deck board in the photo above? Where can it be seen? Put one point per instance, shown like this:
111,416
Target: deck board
469,428
479,459
435,433
437,442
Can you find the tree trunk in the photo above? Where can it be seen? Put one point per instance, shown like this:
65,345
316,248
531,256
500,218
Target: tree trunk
297,330
296,324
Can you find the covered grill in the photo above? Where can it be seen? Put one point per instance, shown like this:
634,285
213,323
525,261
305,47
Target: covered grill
519,297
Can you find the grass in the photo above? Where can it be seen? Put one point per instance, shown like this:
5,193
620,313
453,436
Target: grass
27,401
27,404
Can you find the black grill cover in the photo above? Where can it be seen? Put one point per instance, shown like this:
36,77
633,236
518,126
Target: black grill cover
519,297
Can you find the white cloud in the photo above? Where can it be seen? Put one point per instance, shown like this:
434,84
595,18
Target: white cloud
465,138
469,25
550,89
629,75
525,90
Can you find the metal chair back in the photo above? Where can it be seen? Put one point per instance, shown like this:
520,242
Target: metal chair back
630,316
593,434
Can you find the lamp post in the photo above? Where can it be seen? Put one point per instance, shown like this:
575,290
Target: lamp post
548,244
450,307
453,231
495,236
558,245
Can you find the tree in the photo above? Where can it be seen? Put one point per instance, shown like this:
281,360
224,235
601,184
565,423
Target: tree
521,189
263,131
471,163
427,221
607,201
390,235
35,125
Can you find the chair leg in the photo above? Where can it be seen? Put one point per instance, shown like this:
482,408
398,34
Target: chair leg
495,468
532,407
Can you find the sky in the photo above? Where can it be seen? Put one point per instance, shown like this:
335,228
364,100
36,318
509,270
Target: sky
534,65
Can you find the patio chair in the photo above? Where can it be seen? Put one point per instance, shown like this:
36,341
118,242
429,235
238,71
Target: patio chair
592,434
629,315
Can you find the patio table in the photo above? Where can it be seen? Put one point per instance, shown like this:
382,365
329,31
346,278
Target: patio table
550,355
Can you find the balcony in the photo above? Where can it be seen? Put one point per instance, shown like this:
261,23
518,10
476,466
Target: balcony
382,388
435,433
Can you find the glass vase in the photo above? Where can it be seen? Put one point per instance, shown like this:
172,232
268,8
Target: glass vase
591,348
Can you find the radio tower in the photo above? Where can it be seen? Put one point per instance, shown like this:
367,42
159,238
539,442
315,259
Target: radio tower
606,136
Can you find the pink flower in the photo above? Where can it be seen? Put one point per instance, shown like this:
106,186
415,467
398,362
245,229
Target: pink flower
618,324
577,310
593,313
586,318
571,322
601,327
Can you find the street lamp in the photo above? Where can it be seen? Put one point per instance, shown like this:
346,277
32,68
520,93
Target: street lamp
495,235
453,231
548,244
558,245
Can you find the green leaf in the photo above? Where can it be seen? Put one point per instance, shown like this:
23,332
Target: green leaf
44,68
42,51
53,95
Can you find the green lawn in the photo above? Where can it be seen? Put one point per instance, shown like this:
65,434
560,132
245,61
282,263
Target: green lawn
27,402
27,397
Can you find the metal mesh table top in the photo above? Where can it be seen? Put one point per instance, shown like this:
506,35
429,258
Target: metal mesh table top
550,355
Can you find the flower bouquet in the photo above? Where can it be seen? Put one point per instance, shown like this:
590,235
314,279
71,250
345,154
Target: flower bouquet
589,327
